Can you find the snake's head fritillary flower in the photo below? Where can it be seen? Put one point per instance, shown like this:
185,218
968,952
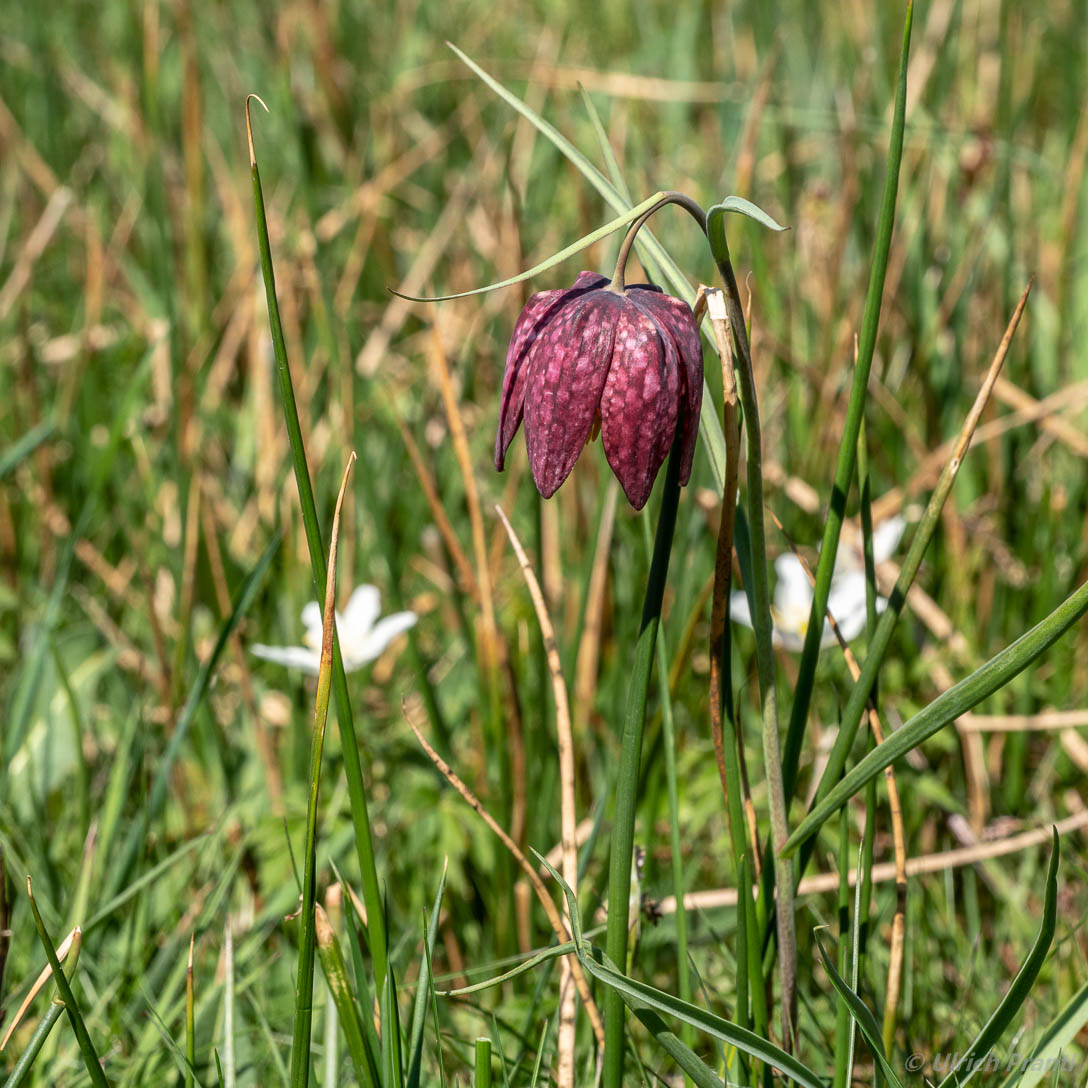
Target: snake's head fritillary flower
629,360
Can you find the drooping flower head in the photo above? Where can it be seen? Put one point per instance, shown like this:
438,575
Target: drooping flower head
628,359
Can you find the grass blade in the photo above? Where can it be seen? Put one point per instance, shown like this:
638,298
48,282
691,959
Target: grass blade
623,826
1018,992
1059,1033
190,1020
602,969
844,468
424,985
86,1047
336,974
860,1013
26,1060
863,686
353,772
304,987
946,708
481,1077
584,242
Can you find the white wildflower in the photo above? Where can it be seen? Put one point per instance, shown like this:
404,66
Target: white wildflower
846,601
362,635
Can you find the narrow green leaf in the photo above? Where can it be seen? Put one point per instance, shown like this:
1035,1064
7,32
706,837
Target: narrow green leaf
744,207
630,990
336,975
423,986
482,1066
627,778
844,467
610,161
23,447
1021,986
860,1013
26,1060
946,708
585,242
190,1019
75,1017
304,985
552,953
1047,1052
349,745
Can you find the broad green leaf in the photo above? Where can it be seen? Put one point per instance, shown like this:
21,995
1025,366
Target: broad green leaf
946,708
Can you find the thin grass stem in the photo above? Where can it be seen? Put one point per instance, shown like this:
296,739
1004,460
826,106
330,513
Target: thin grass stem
623,818
844,468
304,986
364,845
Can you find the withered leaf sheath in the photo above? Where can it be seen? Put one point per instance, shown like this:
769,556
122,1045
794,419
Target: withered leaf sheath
632,359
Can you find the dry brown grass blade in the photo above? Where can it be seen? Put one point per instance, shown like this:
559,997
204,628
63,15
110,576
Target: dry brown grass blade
1026,410
1014,723
493,650
546,902
440,366
396,313
882,872
69,944
34,247
438,512
568,815
723,560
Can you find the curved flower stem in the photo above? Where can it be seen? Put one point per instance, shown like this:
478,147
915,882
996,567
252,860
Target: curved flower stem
765,666
623,817
672,197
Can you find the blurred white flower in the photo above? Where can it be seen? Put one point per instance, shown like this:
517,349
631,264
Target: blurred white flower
846,601
362,635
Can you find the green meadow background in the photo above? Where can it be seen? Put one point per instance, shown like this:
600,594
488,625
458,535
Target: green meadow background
145,469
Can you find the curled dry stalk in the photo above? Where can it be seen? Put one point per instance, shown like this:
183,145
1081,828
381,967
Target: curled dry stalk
568,815
550,909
